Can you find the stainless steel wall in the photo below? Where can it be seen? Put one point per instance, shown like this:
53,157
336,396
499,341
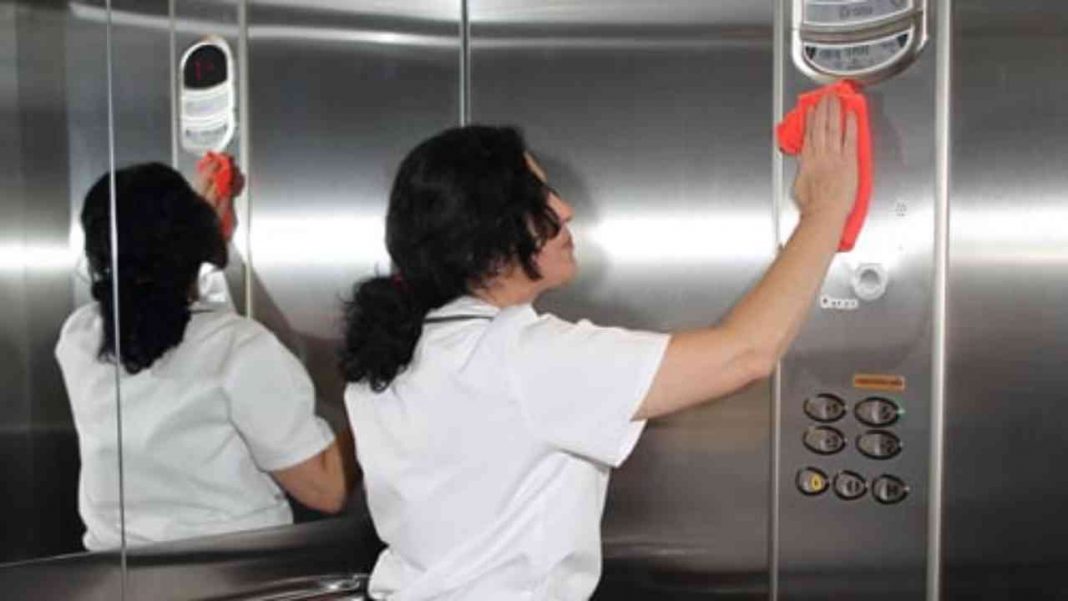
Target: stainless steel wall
653,120
38,507
338,93
1005,493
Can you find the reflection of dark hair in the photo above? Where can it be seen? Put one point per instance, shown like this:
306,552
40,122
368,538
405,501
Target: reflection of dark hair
464,205
165,232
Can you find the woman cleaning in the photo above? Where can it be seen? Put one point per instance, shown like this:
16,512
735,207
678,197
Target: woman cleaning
487,431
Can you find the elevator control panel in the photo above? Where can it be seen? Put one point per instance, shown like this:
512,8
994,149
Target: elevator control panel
864,40
874,418
207,97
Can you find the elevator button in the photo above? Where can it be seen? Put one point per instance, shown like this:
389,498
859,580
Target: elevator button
877,412
812,481
825,408
879,444
824,440
889,489
849,485
870,281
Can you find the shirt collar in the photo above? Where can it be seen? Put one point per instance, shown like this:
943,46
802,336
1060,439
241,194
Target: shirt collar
465,305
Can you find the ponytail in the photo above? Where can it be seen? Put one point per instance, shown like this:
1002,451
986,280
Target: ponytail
384,322
153,320
165,232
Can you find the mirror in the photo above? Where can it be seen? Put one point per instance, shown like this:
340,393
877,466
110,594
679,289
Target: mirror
260,394
54,127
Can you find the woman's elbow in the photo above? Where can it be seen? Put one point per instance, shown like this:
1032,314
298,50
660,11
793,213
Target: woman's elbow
330,500
334,504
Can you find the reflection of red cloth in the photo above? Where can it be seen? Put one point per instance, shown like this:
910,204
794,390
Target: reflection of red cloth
224,187
791,136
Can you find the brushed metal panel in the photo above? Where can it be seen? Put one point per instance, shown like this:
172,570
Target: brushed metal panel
653,120
337,97
141,91
862,549
38,157
248,565
241,565
79,577
1005,494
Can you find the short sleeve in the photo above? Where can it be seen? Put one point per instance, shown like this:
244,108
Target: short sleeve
272,403
579,385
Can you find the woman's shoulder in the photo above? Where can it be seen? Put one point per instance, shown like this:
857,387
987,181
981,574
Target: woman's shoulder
85,317
82,327
218,323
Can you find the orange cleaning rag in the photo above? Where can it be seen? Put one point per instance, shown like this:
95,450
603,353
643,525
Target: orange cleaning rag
224,186
791,137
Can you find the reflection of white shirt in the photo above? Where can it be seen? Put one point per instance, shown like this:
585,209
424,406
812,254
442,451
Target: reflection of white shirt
201,427
486,461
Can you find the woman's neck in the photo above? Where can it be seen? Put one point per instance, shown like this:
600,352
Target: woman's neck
507,290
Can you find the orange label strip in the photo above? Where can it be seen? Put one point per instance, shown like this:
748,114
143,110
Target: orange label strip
883,382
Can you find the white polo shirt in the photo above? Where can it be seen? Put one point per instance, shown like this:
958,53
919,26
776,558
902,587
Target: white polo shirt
486,461
201,428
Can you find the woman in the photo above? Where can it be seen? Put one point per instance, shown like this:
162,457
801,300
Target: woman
487,431
216,414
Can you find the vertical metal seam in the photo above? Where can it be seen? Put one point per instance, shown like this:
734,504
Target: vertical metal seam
114,238
465,63
246,149
778,56
943,92
174,83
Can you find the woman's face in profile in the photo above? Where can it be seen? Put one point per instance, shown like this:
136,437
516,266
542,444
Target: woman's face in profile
556,259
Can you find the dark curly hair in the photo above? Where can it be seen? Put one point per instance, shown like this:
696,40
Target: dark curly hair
464,205
165,232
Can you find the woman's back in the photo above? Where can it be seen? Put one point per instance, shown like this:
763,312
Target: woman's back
485,484
201,428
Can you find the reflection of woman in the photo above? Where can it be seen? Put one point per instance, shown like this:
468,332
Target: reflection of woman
216,413
486,431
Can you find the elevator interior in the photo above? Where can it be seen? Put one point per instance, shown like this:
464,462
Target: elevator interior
906,448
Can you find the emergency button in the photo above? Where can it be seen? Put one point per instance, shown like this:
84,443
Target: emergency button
889,489
812,481
824,440
825,408
877,412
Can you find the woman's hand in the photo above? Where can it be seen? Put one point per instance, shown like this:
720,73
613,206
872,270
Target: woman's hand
826,183
218,181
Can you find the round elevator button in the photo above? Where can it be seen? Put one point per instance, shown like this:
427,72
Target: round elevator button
870,281
877,412
825,408
824,440
849,485
879,444
889,489
812,481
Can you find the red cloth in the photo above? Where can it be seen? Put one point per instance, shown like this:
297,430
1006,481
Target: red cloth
791,137
224,186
